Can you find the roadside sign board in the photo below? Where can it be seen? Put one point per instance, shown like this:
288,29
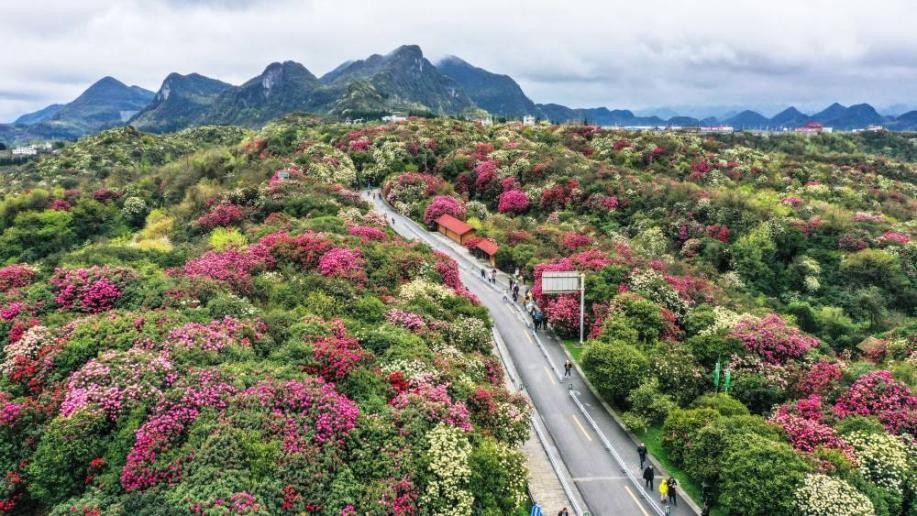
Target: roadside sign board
560,282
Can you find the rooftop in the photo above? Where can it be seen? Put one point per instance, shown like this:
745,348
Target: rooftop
453,224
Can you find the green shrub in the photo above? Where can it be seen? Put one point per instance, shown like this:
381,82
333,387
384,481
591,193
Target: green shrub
760,477
680,429
614,368
723,403
649,403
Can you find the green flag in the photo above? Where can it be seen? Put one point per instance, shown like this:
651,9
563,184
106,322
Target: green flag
728,381
716,376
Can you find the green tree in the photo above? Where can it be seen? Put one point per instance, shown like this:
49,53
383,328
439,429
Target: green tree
615,368
760,476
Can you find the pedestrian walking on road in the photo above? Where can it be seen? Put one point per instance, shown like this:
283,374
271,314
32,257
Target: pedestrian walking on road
506,294
564,512
664,491
705,511
673,496
641,451
648,475
568,365
483,274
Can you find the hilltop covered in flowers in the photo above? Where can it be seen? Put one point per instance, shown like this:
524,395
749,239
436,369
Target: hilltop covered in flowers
232,330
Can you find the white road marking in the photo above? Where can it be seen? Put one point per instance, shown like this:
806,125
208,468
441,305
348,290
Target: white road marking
631,493
550,375
581,427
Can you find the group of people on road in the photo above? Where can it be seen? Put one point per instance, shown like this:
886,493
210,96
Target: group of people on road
668,493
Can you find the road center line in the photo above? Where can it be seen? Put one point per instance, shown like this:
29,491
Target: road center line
550,375
631,493
581,427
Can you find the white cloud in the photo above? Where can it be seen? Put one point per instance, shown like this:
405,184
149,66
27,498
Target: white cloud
581,53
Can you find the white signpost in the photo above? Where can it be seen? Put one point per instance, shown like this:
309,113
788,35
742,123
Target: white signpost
567,282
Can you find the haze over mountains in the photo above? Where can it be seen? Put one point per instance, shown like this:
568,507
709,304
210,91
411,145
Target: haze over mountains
401,81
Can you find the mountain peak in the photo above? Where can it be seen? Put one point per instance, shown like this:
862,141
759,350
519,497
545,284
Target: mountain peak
413,51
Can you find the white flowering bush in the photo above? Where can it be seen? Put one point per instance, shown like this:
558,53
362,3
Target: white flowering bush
329,165
477,209
447,490
411,369
821,495
385,158
651,285
420,289
651,242
883,459
28,347
469,334
724,319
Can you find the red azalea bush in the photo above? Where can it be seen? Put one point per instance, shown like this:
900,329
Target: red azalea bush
878,394
232,266
820,377
432,403
304,250
563,314
443,205
94,289
222,215
513,201
803,425
574,241
337,354
772,339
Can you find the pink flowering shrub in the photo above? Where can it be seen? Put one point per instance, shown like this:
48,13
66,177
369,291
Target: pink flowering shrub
793,201
820,377
232,266
805,430
367,233
449,272
222,215
303,250
410,187
9,410
878,394
895,238
574,241
11,311
344,263
92,290
15,276
117,381
772,339
407,320
513,201
432,404
443,205
216,336
563,314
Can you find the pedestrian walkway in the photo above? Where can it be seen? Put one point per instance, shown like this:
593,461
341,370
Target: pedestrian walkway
598,453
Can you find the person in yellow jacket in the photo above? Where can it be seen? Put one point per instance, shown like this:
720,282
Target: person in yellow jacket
664,491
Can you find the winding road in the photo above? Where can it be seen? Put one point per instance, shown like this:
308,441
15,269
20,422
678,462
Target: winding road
601,459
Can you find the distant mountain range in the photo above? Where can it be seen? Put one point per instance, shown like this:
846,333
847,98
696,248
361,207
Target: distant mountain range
402,81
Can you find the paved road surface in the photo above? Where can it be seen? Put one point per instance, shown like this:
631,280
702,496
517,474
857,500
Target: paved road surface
597,474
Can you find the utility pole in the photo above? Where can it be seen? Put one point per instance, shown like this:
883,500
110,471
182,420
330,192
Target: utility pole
582,306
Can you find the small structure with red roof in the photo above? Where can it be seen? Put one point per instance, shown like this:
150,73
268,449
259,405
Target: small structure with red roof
487,249
454,228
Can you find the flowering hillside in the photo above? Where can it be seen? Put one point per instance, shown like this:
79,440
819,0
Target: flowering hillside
235,331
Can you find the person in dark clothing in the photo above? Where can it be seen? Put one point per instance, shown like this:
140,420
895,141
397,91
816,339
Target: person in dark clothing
648,475
483,274
568,365
564,512
641,451
705,511
673,498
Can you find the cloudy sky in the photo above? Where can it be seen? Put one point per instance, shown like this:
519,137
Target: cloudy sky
706,55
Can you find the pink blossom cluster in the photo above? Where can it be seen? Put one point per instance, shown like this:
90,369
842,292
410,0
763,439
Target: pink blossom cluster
15,276
59,205
223,214
513,201
449,272
433,403
691,289
895,237
303,250
806,434
166,427
443,205
486,172
718,231
308,410
340,262
574,241
865,216
878,394
117,380
366,233
361,145
94,289
232,266
557,197
563,313
408,320
820,377
216,335
792,201
394,189
772,339
11,311
9,411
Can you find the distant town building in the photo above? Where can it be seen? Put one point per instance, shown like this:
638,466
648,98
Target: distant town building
716,129
813,128
28,150
528,120
394,118
486,121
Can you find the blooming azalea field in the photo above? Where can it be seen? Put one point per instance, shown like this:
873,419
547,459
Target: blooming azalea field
236,332
212,321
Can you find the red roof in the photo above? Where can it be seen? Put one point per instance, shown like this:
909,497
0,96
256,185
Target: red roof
488,246
453,224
